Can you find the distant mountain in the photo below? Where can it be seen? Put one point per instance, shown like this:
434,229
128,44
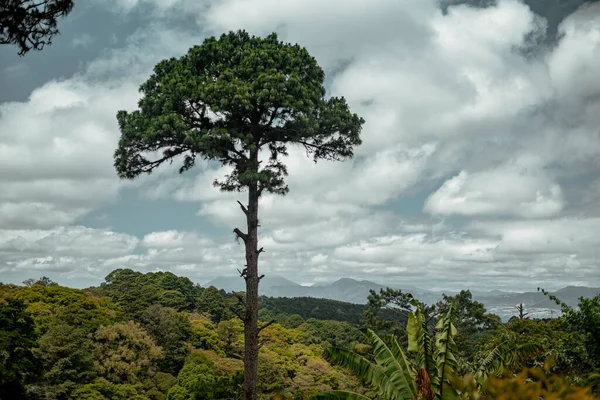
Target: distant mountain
237,284
354,291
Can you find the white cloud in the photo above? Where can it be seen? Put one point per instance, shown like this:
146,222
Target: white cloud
56,148
452,111
75,241
558,236
510,189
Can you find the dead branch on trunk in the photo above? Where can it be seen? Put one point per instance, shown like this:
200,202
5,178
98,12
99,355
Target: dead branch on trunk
240,298
243,207
266,325
237,313
241,234
261,250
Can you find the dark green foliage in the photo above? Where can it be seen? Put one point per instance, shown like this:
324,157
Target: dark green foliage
135,292
68,360
228,98
585,320
309,307
18,337
471,315
85,352
554,338
102,389
386,312
212,302
471,320
331,333
43,281
170,330
200,380
292,321
31,24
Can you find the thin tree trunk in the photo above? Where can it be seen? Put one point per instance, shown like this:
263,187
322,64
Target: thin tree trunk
251,316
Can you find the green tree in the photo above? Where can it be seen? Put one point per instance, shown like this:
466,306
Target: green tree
536,341
472,321
204,334
134,291
43,281
68,360
213,303
18,364
31,24
310,307
231,336
125,353
387,312
233,100
50,305
172,298
170,330
102,389
585,319
331,333
201,379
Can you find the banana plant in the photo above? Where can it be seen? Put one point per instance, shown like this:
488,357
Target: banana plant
392,375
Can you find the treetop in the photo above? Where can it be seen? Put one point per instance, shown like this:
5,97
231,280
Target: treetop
226,100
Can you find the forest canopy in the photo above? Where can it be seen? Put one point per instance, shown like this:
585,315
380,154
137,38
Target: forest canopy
160,336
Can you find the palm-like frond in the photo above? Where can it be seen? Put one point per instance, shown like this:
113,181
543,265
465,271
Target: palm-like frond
391,376
394,364
502,357
445,360
371,373
420,343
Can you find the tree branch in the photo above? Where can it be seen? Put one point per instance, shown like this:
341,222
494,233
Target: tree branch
240,298
266,325
241,234
151,165
237,313
261,250
243,207
273,115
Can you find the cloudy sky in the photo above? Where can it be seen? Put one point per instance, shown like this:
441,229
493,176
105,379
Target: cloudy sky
479,168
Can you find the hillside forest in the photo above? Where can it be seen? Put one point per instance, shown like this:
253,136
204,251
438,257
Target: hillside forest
158,336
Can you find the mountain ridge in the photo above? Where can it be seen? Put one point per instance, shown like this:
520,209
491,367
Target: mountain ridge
355,291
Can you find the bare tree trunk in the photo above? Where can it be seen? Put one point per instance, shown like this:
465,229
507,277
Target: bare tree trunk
251,316
250,274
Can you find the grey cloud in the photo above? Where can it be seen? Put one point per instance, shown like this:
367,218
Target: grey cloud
441,94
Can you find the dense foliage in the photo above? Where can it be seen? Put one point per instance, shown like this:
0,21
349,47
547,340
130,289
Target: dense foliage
310,307
153,336
31,24
123,340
